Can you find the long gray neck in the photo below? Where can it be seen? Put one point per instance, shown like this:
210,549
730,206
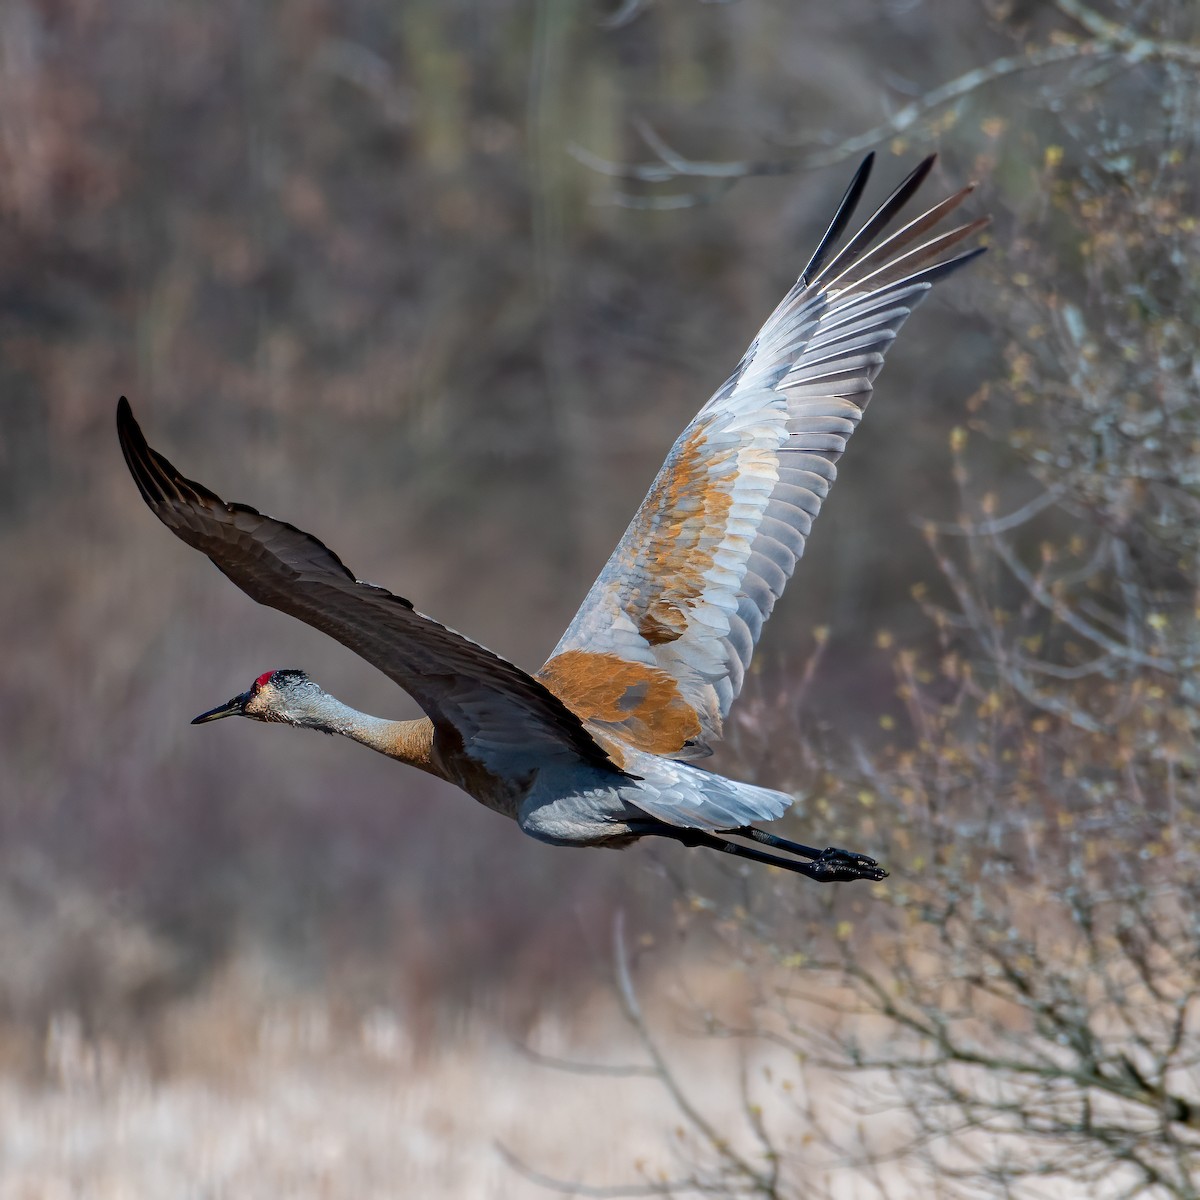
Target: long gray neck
407,741
328,714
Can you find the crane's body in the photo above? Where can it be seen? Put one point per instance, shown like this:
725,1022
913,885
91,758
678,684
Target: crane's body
596,748
564,804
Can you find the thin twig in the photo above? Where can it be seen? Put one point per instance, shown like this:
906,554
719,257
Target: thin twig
1136,45
1068,616
1011,520
633,1013
1109,40
670,165
615,1070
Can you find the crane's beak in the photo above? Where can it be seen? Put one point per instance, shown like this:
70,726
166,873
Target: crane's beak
231,708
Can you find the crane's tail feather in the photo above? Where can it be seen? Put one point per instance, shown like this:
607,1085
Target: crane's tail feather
682,795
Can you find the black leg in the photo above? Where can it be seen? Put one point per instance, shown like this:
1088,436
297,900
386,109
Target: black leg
777,843
829,866
831,856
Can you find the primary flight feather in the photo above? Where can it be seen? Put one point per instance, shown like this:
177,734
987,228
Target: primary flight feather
594,749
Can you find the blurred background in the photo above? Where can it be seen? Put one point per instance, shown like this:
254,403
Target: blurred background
392,272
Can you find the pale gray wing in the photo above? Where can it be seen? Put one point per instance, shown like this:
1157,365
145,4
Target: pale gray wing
506,719
657,652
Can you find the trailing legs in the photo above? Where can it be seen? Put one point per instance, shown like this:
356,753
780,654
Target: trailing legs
826,866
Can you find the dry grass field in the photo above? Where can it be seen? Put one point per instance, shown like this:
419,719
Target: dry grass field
268,1098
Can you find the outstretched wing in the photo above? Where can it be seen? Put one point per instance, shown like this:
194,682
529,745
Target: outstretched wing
503,716
657,653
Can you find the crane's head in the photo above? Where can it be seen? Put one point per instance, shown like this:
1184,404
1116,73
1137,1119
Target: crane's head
274,696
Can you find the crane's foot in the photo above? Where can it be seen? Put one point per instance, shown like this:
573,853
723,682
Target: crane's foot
840,866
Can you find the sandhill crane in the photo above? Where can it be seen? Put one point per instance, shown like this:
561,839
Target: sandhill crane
596,749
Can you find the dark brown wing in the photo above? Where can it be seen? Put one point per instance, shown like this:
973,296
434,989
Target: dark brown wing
507,720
